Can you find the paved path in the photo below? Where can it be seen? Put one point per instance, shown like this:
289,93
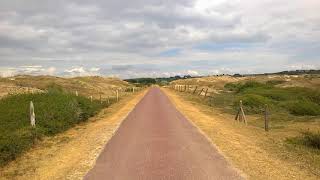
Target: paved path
156,141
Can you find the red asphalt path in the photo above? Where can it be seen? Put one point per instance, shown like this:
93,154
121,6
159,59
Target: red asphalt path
156,142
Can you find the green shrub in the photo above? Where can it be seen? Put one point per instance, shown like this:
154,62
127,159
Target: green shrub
253,85
298,101
242,88
275,82
302,107
55,111
308,139
311,139
232,86
253,103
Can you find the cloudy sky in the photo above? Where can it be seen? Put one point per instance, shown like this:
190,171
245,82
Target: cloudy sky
136,38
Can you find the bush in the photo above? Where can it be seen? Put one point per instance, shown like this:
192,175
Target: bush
311,139
275,82
253,103
232,86
308,139
55,112
302,107
242,88
297,100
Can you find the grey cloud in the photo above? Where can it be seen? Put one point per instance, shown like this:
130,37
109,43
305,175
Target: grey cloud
76,33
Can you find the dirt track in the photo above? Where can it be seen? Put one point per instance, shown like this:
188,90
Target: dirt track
156,141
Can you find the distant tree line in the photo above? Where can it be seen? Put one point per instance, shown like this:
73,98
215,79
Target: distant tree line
160,81
295,72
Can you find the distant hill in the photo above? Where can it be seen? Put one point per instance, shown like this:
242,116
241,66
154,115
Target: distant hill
87,86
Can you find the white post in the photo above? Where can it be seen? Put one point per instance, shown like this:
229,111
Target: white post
91,98
77,93
32,115
133,89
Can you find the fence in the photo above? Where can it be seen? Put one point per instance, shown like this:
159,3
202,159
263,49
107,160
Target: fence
206,92
118,93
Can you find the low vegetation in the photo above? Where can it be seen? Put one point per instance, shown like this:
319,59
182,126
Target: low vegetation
293,103
308,139
159,81
86,86
56,111
296,100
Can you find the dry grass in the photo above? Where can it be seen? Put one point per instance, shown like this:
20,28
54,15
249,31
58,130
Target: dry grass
71,154
218,82
215,82
86,86
258,154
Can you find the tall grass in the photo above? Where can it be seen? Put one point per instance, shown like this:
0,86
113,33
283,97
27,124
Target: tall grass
309,139
56,111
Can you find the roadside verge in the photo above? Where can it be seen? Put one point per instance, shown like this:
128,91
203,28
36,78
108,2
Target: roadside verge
243,146
71,154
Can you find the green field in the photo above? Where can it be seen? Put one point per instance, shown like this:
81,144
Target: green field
55,110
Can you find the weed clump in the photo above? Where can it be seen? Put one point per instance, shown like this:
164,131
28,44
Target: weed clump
308,139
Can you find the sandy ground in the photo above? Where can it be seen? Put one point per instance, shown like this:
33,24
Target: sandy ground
71,154
240,144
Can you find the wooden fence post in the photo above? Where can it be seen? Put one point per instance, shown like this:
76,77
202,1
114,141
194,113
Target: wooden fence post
205,94
91,98
77,93
201,91
240,114
117,95
32,115
185,88
195,89
266,118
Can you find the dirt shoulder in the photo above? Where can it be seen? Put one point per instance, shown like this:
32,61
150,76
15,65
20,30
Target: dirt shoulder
71,154
247,148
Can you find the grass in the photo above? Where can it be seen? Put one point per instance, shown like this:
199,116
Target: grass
227,134
308,139
286,105
297,101
55,110
294,107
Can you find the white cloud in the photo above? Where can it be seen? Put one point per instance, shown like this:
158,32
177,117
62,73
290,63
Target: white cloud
82,71
7,72
29,70
192,73
51,70
71,36
94,69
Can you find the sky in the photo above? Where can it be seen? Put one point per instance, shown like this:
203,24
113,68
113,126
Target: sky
157,38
